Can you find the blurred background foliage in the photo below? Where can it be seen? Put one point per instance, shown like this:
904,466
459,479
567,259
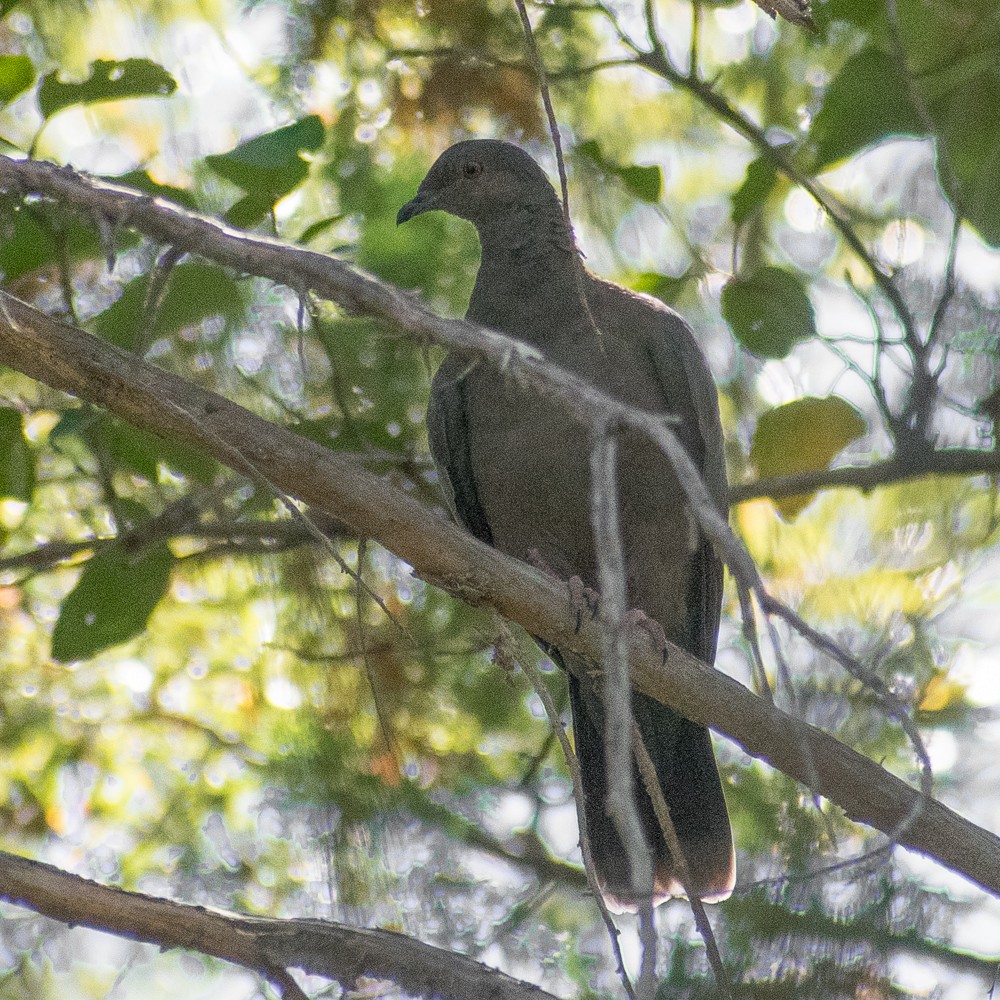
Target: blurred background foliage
196,697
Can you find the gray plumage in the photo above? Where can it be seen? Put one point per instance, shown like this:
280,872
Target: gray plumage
517,471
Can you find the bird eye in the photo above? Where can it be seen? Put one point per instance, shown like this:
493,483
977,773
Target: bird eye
472,169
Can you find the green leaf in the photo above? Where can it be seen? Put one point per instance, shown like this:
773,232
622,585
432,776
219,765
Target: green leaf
557,16
756,188
803,436
16,75
28,242
969,123
112,601
646,183
868,101
769,311
141,452
109,80
860,13
17,463
250,209
319,227
951,51
134,451
271,163
665,287
141,181
194,293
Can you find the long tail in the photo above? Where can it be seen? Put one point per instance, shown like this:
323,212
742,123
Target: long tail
685,765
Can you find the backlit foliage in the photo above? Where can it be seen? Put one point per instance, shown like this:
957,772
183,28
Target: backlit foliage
196,700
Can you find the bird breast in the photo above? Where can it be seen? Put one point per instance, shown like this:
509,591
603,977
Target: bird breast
531,464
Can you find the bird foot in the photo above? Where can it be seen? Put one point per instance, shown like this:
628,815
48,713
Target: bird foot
535,559
640,619
582,598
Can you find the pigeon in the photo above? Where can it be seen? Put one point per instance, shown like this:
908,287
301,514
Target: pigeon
515,466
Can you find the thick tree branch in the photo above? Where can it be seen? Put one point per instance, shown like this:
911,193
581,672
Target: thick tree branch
71,360
267,946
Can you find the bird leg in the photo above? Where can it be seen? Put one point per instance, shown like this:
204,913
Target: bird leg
582,598
651,626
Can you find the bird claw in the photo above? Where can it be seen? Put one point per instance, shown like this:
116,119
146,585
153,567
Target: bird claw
652,627
584,598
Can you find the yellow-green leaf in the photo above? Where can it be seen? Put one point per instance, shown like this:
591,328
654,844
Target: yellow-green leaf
803,436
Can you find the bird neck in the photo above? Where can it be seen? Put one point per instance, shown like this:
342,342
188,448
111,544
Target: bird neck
529,279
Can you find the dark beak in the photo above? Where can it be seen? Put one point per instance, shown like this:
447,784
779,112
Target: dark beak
413,208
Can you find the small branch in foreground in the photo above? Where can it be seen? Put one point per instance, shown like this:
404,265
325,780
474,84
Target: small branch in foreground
652,784
617,689
267,946
573,766
543,87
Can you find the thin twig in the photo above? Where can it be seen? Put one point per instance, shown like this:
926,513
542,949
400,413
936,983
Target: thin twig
949,287
618,721
543,86
573,765
65,274
380,710
153,299
889,700
242,463
931,462
647,769
749,629
695,39
652,35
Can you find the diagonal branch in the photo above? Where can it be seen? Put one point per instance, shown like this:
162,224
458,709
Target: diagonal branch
73,361
332,279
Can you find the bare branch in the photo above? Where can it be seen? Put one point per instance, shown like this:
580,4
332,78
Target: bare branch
268,946
652,784
543,86
930,462
381,710
573,766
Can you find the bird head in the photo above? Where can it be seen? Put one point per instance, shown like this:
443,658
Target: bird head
490,183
